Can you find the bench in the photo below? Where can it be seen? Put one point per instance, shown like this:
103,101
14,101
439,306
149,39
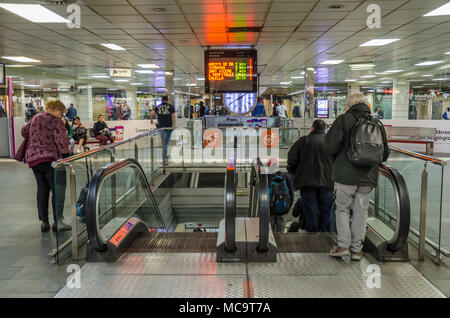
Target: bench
90,141
412,135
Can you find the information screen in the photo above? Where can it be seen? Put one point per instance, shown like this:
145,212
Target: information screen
322,108
2,74
230,71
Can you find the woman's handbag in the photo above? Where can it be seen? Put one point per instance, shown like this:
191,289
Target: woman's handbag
20,154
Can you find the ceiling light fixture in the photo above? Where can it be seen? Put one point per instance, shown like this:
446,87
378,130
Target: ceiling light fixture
112,46
440,79
286,83
427,75
350,80
362,66
332,62
200,79
100,76
121,80
148,65
144,71
379,42
442,10
21,59
427,63
368,76
393,71
137,84
297,77
34,13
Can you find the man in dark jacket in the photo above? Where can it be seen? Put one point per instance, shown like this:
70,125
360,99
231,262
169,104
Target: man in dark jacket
353,184
312,167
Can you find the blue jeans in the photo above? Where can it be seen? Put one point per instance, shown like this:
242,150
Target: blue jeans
317,204
167,134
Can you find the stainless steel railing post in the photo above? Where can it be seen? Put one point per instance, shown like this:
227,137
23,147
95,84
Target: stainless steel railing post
73,207
423,213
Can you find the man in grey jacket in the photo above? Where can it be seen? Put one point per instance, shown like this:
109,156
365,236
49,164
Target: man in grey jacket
352,184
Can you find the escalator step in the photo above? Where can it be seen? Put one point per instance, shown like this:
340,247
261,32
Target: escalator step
175,242
303,242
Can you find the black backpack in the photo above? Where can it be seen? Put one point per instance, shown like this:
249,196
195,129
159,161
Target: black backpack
366,142
82,198
280,198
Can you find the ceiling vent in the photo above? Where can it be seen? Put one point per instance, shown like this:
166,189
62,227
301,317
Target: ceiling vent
55,2
244,29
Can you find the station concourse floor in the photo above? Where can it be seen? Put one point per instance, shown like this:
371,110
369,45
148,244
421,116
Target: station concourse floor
26,270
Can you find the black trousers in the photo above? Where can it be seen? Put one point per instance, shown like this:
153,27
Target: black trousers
45,179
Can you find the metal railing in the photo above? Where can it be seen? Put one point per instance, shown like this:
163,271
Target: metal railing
421,232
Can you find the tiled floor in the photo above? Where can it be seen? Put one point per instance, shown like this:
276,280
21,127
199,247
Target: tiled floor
26,270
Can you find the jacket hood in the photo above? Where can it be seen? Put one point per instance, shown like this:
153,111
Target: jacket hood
360,108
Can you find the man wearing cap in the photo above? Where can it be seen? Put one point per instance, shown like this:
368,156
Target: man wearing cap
352,184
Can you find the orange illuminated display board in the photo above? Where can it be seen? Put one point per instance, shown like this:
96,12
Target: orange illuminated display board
230,71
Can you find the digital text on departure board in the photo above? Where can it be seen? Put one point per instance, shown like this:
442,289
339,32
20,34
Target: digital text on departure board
238,71
230,71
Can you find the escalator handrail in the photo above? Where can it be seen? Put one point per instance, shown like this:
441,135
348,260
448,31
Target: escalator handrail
403,206
263,212
259,182
92,220
230,209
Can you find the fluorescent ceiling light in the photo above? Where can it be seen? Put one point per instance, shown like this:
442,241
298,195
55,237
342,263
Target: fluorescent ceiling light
144,71
200,79
410,73
34,12
362,66
379,42
427,75
100,76
31,85
350,80
332,62
386,82
302,73
393,71
137,84
148,65
168,73
447,53
121,80
442,10
417,86
440,79
191,84
20,59
368,76
429,84
112,46
18,66
428,63
297,77
286,83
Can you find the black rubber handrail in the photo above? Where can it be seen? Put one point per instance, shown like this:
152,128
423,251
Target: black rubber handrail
403,208
263,212
230,209
92,221
259,199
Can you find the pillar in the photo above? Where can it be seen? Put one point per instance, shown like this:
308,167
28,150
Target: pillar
309,96
132,102
400,98
83,102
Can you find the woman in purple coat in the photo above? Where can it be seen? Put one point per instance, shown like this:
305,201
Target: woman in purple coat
48,141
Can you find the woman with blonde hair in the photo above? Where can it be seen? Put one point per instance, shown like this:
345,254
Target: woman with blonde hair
48,141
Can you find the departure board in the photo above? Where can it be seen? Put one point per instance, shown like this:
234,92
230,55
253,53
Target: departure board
230,71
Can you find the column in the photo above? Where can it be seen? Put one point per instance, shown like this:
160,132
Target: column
400,98
132,103
83,102
353,89
309,97
169,87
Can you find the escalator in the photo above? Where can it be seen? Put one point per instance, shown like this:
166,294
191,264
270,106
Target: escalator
129,219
